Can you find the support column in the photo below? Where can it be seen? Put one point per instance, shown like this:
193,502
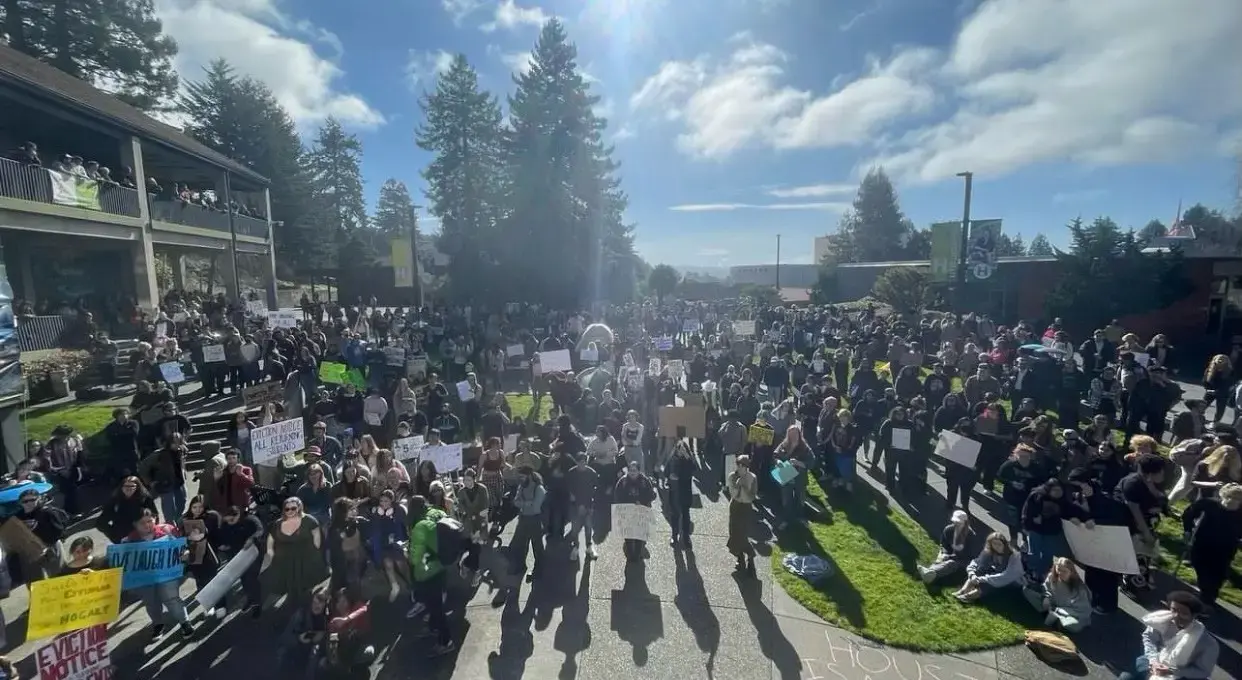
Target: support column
131,155
272,301
225,268
142,253
178,271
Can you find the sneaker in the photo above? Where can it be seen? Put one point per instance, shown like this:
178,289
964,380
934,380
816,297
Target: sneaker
673,541
441,650
476,580
926,574
416,610
221,613
186,629
209,613
590,552
157,631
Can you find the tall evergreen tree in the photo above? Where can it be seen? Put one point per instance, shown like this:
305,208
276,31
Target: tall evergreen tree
394,213
118,45
563,196
875,230
1010,246
240,118
1040,247
335,163
1153,229
462,127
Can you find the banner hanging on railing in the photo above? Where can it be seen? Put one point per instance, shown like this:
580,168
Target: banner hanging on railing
74,191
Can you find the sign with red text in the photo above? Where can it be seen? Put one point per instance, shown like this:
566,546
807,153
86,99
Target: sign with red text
80,655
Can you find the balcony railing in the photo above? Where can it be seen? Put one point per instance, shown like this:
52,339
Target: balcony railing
190,215
44,185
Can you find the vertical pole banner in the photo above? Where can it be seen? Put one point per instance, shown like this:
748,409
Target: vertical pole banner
946,248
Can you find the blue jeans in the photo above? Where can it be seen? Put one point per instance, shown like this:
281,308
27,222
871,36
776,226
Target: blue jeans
1040,549
172,504
1142,670
161,597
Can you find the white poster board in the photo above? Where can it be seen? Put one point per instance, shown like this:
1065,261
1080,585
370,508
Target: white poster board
273,441
464,392
256,308
511,441
394,356
631,521
161,329
172,373
653,366
589,355
1142,359
900,438
447,457
223,581
664,344
557,360
407,448
744,329
515,351
282,319
213,354
691,326
1104,547
961,450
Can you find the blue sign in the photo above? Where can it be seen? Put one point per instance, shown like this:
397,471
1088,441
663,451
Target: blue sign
147,563
12,493
664,344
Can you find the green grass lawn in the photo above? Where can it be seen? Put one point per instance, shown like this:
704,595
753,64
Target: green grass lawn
87,419
876,591
523,405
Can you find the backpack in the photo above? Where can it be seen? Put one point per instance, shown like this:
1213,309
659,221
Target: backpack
1051,648
451,540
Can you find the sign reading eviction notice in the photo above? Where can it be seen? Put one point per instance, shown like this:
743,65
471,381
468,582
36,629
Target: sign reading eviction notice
146,563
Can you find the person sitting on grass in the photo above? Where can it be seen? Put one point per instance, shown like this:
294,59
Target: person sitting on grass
1175,643
954,549
1064,597
997,566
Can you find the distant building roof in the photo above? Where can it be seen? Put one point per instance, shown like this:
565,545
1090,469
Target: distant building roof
927,263
795,295
33,75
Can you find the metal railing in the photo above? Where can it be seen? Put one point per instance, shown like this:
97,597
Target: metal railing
39,332
190,215
44,185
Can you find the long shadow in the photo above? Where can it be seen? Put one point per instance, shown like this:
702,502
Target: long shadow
772,641
573,636
799,540
710,480
869,509
637,615
695,610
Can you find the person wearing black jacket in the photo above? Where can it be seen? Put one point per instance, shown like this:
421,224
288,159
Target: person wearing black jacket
681,470
122,436
1041,522
1097,508
1212,528
131,499
48,525
634,487
959,479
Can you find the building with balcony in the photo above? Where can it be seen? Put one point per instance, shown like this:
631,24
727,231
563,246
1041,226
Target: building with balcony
82,226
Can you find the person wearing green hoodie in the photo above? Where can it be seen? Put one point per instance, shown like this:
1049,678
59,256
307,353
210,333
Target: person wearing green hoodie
429,576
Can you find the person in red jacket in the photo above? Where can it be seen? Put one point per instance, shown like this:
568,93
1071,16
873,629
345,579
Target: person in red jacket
349,623
233,482
160,597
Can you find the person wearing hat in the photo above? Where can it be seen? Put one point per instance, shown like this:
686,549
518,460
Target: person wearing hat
63,464
48,525
956,549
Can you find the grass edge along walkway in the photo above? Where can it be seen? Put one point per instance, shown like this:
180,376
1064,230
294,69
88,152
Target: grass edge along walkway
875,590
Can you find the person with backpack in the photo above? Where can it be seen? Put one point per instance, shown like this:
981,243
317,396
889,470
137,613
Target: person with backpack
428,557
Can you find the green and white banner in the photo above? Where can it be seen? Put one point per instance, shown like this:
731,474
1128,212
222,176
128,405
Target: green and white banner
74,191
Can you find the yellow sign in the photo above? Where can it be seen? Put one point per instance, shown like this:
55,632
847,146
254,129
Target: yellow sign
69,603
402,263
760,435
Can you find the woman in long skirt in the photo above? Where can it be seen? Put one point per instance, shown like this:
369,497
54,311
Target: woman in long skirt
743,487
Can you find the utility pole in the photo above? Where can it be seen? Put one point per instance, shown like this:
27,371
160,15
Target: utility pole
960,297
418,277
778,263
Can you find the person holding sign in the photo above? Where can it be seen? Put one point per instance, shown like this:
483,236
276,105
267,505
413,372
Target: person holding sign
636,488
894,443
793,450
165,597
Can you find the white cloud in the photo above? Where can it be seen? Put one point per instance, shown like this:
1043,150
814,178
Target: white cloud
518,62
623,133
726,207
1099,83
743,102
460,9
423,67
261,41
813,190
510,16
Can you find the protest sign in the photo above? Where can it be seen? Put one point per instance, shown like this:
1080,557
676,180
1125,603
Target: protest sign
180,317
213,354
511,441
447,457
333,372
676,369
416,367
282,319
1142,359
691,326
171,371
784,472
900,438
464,391
959,449
68,603
256,308
273,441
628,360
691,419
1109,548
589,355
17,538
220,584
631,521
514,351
258,396
394,356
146,563
80,655
664,344
161,329
653,366
558,360
745,329
407,448
817,366
760,435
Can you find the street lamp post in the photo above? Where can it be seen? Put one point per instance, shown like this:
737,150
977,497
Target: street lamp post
964,243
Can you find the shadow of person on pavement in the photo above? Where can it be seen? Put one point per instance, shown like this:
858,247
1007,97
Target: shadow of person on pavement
573,636
692,604
772,641
637,615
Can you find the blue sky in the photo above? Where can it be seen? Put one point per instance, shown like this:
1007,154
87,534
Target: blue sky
736,120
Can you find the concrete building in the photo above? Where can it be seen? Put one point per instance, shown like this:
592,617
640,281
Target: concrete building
821,248
791,275
68,238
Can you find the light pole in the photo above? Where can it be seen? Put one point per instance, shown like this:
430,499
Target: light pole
418,277
778,263
965,241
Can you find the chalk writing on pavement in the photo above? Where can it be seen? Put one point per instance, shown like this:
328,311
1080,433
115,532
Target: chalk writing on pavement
847,660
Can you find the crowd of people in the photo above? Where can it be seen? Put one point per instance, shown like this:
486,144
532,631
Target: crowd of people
1068,431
